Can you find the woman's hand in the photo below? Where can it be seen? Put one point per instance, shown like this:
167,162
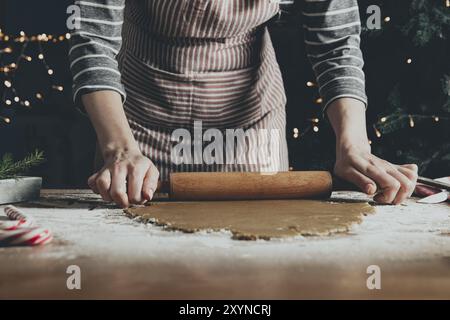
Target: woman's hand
127,177
355,162
357,165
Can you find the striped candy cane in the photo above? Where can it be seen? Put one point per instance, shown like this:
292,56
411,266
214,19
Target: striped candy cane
15,214
25,237
13,225
22,230
18,219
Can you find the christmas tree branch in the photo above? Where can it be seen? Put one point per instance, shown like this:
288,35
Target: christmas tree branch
11,169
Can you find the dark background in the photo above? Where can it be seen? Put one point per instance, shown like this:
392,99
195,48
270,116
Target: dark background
68,140
54,126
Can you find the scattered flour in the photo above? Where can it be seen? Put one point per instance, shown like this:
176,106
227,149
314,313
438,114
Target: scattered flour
405,232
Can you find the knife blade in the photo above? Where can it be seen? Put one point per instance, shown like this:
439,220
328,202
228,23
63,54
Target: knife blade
435,198
434,183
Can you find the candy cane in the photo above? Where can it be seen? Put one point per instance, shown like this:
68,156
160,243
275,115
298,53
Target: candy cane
19,219
22,231
25,237
13,225
15,214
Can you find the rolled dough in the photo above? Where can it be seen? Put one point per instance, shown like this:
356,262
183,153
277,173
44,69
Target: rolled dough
251,220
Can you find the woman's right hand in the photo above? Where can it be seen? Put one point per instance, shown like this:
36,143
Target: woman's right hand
126,178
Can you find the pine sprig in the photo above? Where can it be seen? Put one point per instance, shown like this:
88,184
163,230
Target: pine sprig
11,169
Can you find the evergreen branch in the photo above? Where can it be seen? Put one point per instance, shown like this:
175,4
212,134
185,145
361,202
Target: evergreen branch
11,169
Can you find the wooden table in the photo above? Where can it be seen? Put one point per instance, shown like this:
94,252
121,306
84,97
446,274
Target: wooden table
122,258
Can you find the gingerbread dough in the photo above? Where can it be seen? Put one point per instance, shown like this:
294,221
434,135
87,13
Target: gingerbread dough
251,220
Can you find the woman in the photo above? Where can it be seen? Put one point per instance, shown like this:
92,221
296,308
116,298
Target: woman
143,69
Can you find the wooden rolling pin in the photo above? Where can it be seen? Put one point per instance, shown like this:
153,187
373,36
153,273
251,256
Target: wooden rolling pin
251,185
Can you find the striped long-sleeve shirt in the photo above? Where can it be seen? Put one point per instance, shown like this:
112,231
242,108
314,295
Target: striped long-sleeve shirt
94,47
332,38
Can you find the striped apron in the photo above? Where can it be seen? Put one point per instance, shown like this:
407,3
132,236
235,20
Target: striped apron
207,62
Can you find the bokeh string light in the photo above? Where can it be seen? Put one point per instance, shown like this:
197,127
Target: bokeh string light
387,124
379,128
384,124
19,47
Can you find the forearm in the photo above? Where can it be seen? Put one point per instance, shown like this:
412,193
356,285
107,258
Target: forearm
108,118
348,119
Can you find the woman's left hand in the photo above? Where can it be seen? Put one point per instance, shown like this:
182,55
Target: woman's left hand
393,183
355,162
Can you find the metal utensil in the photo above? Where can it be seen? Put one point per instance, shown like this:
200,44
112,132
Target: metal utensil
434,183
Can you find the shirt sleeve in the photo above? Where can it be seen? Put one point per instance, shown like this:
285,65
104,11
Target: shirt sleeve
94,47
332,40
